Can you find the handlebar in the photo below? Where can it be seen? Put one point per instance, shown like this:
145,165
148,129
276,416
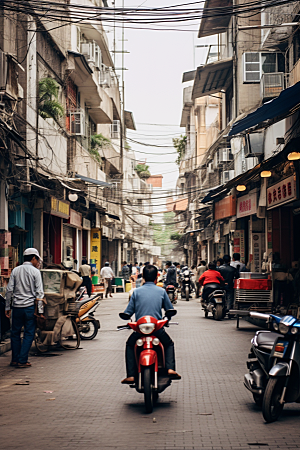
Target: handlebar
123,327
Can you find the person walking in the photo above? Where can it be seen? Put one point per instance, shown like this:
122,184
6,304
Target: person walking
108,275
229,273
85,273
125,271
200,271
24,289
237,264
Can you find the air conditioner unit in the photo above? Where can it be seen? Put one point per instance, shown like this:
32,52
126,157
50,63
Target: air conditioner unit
115,129
88,50
271,85
227,175
225,155
253,144
210,167
104,76
98,57
3,70
77,123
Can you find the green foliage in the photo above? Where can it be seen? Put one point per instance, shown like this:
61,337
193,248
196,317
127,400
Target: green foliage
162,233
143,170
175,236
98,140
94,152
49,106
180,146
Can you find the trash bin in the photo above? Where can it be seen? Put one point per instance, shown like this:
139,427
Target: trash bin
127,286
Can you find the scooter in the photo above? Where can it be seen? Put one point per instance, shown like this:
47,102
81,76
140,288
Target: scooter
186,284
215,304
87,324
172,293
274,366
152,377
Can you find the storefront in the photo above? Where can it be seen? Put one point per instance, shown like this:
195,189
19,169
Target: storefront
20,222
223,211
72,240
54,212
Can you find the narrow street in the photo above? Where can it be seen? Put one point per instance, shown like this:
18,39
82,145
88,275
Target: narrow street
89,408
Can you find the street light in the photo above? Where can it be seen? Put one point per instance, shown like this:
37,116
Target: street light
266,173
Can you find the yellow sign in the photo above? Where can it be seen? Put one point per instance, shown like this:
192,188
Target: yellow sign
96,248
60,208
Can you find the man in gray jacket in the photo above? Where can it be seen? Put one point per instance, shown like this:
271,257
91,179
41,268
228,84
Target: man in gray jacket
25,287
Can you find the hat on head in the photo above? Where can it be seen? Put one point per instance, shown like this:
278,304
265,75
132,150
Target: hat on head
32,251
107,263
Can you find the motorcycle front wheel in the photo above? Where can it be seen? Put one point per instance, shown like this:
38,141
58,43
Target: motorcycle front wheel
89,330
148,393
271,408
187,293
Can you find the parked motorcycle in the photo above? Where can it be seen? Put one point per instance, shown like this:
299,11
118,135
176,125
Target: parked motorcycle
172,293
186,283
152,377
215,304
274,366
88,326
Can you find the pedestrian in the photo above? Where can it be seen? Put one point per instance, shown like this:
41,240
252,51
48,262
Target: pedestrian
135,270
125,271
108,275
171,278
200,270
25,291
229,273
220,262
237,264
85,273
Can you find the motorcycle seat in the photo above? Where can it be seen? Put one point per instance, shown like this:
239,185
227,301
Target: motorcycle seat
215,294
265,340
82,302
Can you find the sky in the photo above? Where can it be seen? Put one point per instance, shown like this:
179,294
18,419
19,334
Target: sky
153,88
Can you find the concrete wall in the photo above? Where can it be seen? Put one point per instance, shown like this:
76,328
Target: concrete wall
52,147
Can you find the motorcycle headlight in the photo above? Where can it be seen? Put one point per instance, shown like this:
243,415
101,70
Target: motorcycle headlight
155,341
139,342
294,330
275,326
146,328
283,328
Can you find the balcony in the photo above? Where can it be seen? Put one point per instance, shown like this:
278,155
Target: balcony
98,101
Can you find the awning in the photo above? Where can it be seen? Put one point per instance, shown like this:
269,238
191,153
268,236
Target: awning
212,78
129,120
214,20
188,76
112,216
91,180
273,111
254,173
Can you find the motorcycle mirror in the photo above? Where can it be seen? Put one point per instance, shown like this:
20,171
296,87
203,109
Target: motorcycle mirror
170,313
124,316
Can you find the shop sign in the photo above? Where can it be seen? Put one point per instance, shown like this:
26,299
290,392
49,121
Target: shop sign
86,224
239,243
246,205
60,208
226,228
96,247
225,208
209,233
282,192
75,218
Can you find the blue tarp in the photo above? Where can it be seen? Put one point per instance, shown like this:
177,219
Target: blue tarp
278,108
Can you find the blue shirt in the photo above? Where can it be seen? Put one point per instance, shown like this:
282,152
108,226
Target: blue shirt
24,286
148,300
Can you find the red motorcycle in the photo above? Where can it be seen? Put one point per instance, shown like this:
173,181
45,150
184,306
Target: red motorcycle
152,377
172,293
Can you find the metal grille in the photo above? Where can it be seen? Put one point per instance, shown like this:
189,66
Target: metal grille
252,295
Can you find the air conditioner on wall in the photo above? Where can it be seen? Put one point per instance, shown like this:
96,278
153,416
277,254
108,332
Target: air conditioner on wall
77,123
88,50
225,155
104,76
227,175
271,84
210,167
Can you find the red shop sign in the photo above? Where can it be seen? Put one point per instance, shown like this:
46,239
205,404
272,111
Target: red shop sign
283,192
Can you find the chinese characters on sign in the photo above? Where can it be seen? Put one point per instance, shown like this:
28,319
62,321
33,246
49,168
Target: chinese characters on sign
239,243
282,192
60,208
246,205
96,247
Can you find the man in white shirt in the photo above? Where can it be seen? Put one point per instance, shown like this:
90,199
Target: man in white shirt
237,264
108,275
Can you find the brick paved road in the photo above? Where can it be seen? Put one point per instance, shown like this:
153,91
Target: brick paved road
208,409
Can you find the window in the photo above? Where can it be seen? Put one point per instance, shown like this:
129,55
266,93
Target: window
78,38
256,64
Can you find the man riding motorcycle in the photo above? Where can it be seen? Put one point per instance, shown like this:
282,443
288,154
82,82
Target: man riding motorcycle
171,278
211,280
229,273
149,300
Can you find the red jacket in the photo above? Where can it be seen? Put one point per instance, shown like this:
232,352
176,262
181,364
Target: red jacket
211,276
